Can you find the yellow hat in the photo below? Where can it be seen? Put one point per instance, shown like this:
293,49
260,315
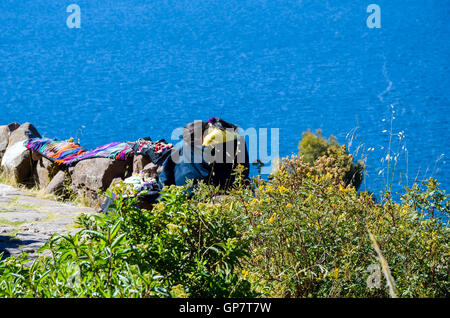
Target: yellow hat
216,136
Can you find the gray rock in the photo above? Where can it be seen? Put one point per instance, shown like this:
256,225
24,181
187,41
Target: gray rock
17,161
152,169
139,162
93,175
22,133
4,229
44,171
41,172
116,180
5,131
4,138
57,183
22,216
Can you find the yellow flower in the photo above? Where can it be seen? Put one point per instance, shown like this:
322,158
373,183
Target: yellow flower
282,189
272,218
288,205
244,274
266,189
335,273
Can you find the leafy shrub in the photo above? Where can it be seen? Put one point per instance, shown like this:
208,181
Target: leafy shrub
180,248
311,237
315,147
303,233
190,242
86,264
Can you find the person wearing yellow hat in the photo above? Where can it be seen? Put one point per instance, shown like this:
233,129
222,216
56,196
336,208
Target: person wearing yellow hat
210,152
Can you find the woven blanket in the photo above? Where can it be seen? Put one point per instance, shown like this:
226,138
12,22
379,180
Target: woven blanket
157,151
68,153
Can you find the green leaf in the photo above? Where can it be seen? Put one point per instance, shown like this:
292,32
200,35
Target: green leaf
118,240
96,235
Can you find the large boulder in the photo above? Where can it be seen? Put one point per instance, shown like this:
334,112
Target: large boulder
44,170
22,133
17,161
90,176
5,131
56,185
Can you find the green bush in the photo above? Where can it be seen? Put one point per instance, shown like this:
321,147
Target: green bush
315,147
303,233
190,242
181,248
311,237
87,264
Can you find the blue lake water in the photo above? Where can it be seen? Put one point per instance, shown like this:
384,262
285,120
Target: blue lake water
142,68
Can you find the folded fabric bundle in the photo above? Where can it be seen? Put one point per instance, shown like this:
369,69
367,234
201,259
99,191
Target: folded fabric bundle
140,185
155,150
68,153
142,182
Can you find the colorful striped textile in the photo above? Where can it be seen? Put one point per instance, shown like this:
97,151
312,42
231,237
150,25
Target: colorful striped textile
113,150
68,153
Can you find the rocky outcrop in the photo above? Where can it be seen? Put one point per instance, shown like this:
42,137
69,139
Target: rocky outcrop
5,131
17,162
88,178
93,175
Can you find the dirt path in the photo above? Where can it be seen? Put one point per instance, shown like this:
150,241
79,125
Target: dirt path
26,222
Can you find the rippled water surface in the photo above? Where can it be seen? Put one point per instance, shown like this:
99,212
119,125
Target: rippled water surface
142,68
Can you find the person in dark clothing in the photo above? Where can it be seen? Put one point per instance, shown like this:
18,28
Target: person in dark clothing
210,151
